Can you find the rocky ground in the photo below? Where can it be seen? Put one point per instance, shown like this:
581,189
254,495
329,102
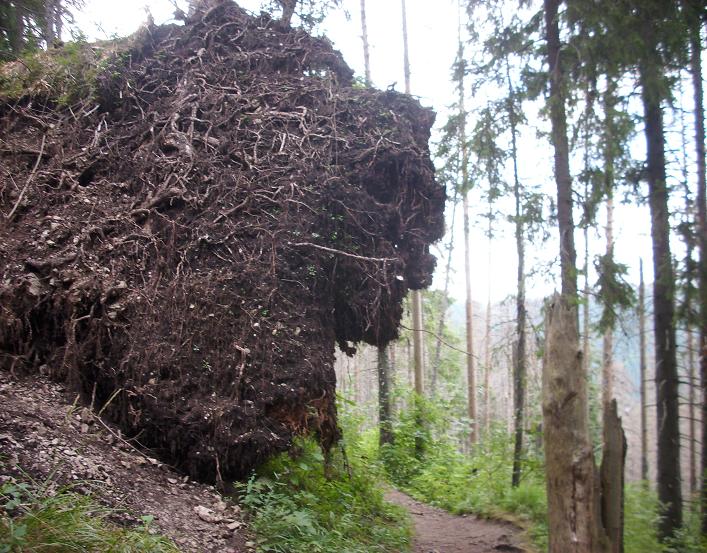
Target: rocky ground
53,440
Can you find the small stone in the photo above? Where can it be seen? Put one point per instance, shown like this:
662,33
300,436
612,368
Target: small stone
206,514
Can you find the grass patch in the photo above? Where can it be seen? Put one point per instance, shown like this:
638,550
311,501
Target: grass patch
32,520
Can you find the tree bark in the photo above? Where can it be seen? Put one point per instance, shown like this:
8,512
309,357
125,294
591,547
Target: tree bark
608,338
470,365
692,400
406,57
574,520
612,478
558,118
666,377
470,360
288,10
519,367
487,346
17,38
384,411
364,38
698,94
643,373
609,162
445,302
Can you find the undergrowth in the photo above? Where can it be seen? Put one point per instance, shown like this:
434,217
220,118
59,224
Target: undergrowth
298,503
478,482
32,519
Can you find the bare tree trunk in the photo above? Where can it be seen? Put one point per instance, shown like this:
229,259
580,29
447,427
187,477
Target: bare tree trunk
384,412
574,519
18,37
288,10
612,477
692,435
470,368
406,58
608,339
470,360
643,373
698,94
445,301
487,346
609,140
364,38
519,367
666,376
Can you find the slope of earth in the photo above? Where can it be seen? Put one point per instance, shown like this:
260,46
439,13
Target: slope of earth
185,236
56,443
437,531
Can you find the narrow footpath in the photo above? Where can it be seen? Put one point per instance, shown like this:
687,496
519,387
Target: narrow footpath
437,531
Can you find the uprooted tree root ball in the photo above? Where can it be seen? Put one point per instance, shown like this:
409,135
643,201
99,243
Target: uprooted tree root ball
186,245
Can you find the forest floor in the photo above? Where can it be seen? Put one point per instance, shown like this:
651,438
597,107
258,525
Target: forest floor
437,531
46,438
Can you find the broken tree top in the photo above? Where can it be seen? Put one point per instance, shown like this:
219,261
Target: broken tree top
186,239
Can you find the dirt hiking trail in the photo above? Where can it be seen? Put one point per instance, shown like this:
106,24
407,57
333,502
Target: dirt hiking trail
437,531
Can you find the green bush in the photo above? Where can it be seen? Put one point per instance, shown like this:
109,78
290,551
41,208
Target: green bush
66,521
301,503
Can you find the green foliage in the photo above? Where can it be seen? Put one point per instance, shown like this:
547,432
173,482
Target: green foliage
641,524
478,483
66,74
299,503
32,520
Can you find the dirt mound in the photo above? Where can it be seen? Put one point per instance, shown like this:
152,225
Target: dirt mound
62,445
186,245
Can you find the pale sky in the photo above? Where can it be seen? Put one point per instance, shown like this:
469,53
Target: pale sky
432,31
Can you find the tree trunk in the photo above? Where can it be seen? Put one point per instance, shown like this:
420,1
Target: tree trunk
666,376
696,70
384,412
608,338
417,333
470,360
364,38
470,365
17,38
487,348
406,58
558,118
692,400
574,520
288,10
612,477
609,146
445,301
519,368
643,373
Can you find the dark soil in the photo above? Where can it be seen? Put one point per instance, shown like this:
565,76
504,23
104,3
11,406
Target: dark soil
45,437
437,531
185,246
